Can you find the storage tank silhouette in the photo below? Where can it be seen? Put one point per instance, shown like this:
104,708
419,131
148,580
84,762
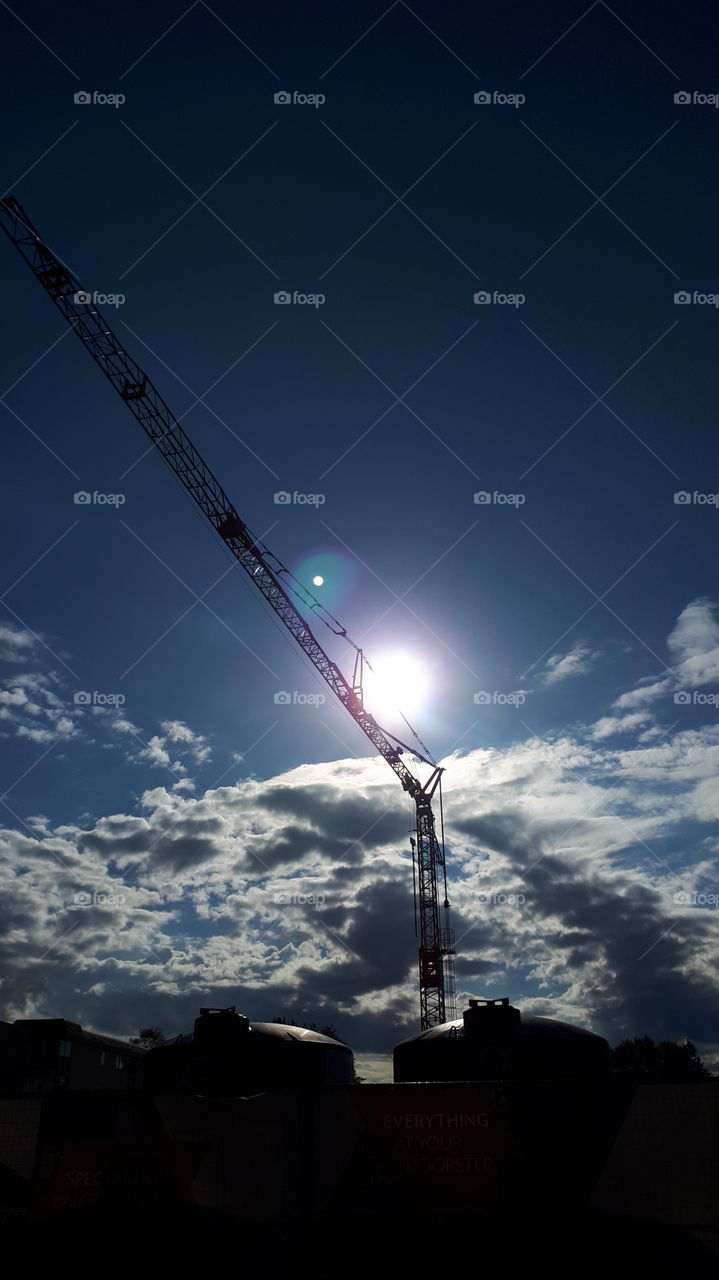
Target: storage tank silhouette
229,1056
494,1041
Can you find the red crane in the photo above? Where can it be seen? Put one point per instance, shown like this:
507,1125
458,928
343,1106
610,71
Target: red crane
274,581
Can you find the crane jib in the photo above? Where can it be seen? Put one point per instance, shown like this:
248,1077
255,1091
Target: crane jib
170,439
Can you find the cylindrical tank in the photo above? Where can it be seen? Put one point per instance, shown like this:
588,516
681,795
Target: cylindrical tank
229,1056
494,1041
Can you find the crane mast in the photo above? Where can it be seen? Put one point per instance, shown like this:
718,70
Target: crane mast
264,569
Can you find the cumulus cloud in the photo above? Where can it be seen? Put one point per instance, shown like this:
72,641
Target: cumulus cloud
694,644
576,865
32,706
17,644
178,731
294,895
576,662
184,741
648,690
37,706
608,726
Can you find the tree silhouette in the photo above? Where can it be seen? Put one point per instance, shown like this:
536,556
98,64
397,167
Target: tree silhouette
645,1062
147,1038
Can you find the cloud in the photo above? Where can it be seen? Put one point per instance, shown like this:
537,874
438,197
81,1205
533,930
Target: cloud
608,726
694,644
31,706
293,895
576,662
37,707
155,753
648,690
178,731
190,744
17,644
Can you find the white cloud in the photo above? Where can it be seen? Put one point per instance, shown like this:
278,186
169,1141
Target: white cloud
694,644
293,895
607,726
17,644
576,662
178,731
156,753
31,708
648,690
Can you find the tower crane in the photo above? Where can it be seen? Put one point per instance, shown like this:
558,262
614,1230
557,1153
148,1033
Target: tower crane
277,585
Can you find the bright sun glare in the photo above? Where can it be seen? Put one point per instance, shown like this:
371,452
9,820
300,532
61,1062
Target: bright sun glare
399,683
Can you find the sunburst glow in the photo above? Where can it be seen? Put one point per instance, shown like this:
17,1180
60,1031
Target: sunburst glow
397,682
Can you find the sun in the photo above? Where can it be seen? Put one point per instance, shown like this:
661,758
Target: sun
398,681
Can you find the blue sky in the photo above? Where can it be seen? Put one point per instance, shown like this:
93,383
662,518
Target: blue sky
553,624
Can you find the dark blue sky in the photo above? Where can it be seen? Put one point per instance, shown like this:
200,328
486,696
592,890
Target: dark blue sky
503,399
